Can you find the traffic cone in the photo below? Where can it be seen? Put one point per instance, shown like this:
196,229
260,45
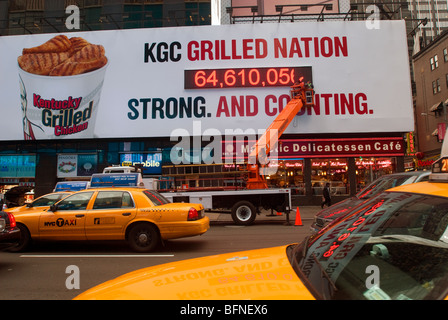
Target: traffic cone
298,219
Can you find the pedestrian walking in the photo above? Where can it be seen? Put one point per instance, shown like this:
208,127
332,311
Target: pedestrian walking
326,197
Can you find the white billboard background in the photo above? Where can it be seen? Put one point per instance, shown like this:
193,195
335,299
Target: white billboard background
376,66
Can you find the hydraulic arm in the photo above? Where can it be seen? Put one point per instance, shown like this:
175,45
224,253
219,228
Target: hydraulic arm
301,95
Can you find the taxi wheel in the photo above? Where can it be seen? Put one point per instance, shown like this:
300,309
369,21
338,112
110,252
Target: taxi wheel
243,213
143,237
25,239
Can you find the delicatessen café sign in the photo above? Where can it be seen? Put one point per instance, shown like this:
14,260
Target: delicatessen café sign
307,148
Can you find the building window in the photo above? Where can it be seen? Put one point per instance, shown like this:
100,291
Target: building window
436,86
333,171
289,174
434,62
445,55
370,169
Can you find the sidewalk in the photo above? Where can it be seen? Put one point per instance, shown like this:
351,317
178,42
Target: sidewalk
307,213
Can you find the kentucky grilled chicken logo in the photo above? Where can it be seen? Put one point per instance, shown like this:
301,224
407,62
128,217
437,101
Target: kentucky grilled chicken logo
63,113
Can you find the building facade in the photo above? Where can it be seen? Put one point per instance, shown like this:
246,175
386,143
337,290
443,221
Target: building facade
349,159
431,98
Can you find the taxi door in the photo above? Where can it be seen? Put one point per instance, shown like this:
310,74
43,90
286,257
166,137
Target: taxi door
67,221
111,212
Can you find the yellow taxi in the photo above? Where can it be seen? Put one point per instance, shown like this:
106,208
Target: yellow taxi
140,216
393,246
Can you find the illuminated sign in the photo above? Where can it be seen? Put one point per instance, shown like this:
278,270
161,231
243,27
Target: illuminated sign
245,77
310,148
17,166
76,165
440,166
151,162
100,180
410,143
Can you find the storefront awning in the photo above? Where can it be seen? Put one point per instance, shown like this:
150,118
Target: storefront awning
437,107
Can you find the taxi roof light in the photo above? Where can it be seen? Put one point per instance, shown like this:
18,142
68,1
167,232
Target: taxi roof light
439,170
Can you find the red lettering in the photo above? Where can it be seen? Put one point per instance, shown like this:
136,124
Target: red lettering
234,53
222,107
340,47
280,48
206,48
193,54
267,108
326,47
295,49
261,48
307,46
223,51
246,48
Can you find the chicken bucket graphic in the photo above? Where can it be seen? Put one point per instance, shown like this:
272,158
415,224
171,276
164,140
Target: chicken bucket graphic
60,88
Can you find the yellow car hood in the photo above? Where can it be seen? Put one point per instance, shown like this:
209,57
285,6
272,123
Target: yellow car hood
256,274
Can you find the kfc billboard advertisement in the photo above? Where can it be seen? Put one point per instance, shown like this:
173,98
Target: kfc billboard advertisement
152,82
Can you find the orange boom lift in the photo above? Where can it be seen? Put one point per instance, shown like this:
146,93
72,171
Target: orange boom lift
302,94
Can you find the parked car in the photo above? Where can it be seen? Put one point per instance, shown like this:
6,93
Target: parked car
9,233
393,246
385,182
141,217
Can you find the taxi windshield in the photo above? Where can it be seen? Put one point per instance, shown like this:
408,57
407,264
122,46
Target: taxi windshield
393,247
384,183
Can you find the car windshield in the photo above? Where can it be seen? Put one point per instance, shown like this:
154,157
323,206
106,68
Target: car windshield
393,247
384,183
48,200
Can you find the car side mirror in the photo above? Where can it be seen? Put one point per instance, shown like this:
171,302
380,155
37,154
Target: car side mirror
29,205
53,208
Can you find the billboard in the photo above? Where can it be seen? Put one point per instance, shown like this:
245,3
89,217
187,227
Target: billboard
76,165
17,166
155,82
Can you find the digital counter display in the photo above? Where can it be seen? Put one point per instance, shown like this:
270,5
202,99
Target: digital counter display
245,77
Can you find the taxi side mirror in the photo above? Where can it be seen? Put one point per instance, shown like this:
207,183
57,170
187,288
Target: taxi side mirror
53,208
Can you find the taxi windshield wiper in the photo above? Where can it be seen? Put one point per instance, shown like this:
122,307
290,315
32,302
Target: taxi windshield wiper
324,274
298,252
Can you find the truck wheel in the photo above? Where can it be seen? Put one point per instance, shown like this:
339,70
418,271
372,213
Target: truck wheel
243,213
143,237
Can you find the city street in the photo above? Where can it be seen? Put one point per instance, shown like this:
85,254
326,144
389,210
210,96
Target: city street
43,272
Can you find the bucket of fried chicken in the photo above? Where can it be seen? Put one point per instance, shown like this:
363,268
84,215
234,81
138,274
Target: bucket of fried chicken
60,88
